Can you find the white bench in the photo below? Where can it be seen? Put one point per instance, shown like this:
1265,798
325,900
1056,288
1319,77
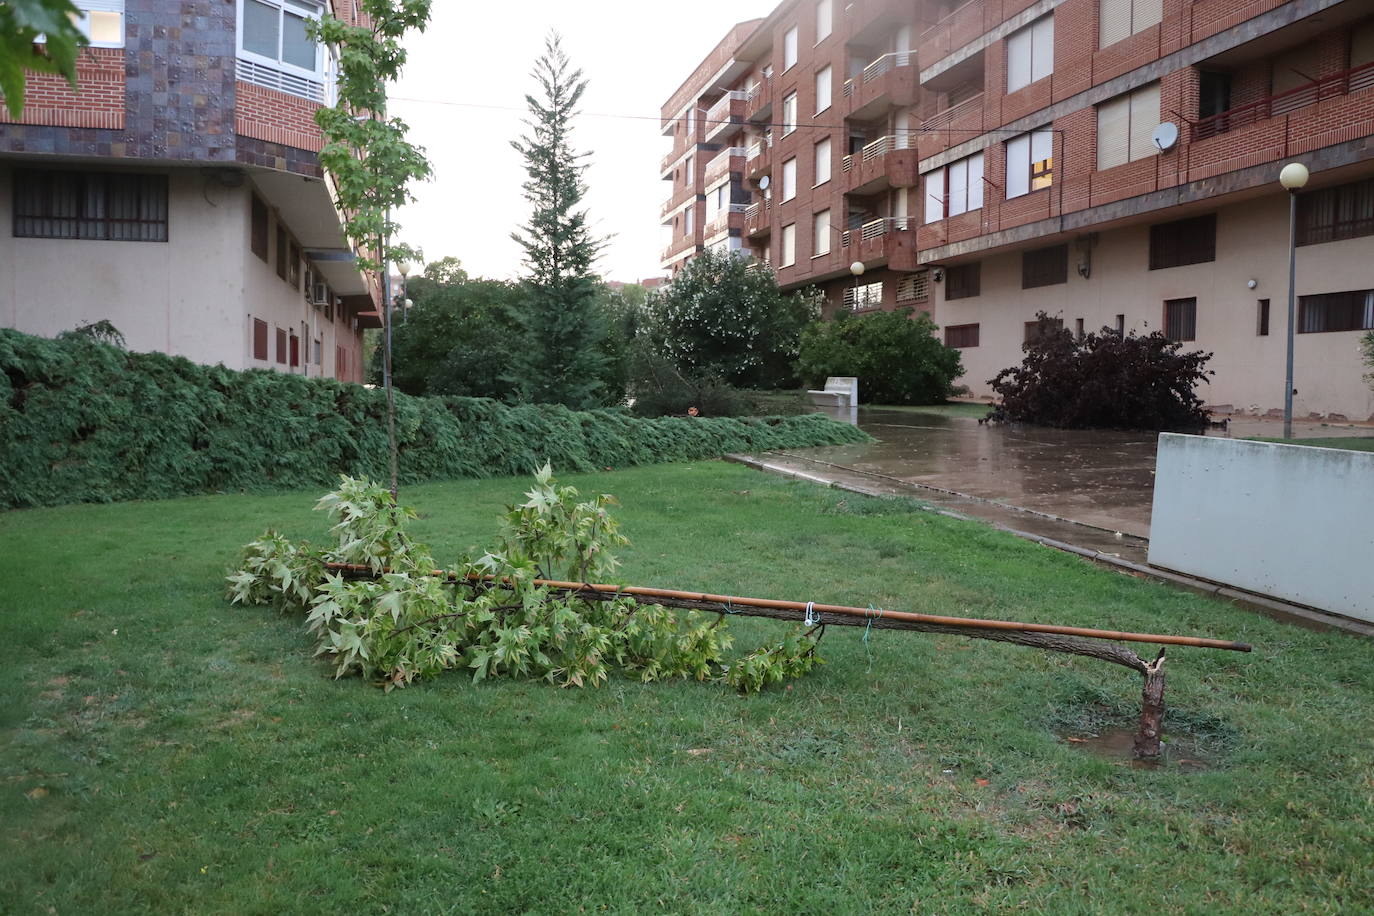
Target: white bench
839,391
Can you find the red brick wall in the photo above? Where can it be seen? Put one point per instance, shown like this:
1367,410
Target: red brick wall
97,101
277,117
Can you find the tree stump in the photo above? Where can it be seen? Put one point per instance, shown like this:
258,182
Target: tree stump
1151,710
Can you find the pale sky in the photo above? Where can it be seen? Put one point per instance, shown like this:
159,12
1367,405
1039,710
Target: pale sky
634,53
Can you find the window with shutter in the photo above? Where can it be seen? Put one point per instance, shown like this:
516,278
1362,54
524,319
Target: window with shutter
259,339
1042,49
1018,166
1334,214
789,48
1183,242
1018,60
789,113
824,18
1347,311
259,228
1180,319
1362,45
789,179
1113,22
958,187
1030,54
823,89
1045,267
1144,120
789,245
963,281
820,227
975,182
935,195
823,161
961,336
1145,13
1113,128
1030,162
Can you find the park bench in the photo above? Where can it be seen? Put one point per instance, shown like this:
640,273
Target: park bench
839,391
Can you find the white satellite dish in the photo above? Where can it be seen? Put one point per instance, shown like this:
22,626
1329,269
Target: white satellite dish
1165,136
763,183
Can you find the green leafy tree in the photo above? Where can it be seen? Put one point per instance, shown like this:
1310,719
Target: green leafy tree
367,152
21,24
721,317
897,358
1367,346
459,339
562,359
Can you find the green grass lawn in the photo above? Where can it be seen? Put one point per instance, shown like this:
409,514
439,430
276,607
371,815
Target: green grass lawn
166,752
1353,443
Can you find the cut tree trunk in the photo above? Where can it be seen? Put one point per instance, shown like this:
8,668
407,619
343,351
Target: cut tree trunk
1151,710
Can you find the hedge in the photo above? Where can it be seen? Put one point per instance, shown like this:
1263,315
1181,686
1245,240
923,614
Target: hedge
86,422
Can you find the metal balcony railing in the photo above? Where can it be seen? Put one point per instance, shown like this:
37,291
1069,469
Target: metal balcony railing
1328,87
876,229
885,63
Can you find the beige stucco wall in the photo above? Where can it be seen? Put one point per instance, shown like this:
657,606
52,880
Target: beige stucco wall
1252,243
194,295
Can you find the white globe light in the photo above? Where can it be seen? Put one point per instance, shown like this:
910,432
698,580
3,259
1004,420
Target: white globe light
1293,176
857,268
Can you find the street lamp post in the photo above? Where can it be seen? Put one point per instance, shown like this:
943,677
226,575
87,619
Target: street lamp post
1293,177
857,269
404,268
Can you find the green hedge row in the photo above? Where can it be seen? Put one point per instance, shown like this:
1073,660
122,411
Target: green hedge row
86,422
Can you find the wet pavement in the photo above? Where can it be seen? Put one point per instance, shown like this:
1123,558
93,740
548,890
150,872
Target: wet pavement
1027,478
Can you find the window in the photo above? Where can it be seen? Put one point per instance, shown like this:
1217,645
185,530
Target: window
281,345
1030,162
962,281
1184,241
1180,319
102,22
823,161
789,179
317,351
293,270
1118,19
823,88
914,287
281,251
1333,214
1213,93
716,198
1121,325
1031,330
789,113
1078,329
1125,126
260,339
1348,311
1262,317
687,219
824,18
961,335
115,206
1030,54
789,245
689,175
1045,267
789,49
258,218
820,228
295,351
273,32
954,189
868,296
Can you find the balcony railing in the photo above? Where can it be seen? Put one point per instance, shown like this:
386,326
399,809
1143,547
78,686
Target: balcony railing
721,220
718,116
876,229
879,68
878,148
1328,87
721,163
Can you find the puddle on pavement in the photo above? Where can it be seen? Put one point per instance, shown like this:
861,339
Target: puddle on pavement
1118,744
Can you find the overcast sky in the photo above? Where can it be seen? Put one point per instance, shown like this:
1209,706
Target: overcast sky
634,53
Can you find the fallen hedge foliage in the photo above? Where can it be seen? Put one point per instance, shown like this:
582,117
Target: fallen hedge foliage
82,421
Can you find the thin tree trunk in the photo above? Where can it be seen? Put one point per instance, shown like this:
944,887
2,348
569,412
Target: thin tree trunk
1151,710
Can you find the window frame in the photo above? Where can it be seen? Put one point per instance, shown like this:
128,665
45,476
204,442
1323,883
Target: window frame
101,6
1361,325
816,162
789,185
150,190
829,71
943,177
1048,266
1176,243
259,343
1358,207
789,48
1185,319
306,9
826,19
1033,141
964,281
1033,36
819,237
1137,140
788,233
957,336
789,101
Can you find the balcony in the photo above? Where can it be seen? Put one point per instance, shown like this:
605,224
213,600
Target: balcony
1330,87
686,244
890,240
958,28
951,127
758,100
730,159
886,82
757,218
888,161
726,117
757,158
731,216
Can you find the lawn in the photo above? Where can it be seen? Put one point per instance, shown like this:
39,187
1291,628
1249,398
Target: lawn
1352,443
164,751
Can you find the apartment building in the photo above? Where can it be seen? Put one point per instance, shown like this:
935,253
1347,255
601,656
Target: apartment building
1113,163
177,192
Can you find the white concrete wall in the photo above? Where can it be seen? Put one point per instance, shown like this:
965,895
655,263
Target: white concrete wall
194,295
1289,521
1252,243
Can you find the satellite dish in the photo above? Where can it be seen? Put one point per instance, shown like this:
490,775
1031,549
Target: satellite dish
1165,136
763,183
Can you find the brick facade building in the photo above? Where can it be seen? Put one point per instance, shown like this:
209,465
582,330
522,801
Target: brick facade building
1111,162
177,191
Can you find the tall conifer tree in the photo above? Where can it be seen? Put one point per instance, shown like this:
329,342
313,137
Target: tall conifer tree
562,360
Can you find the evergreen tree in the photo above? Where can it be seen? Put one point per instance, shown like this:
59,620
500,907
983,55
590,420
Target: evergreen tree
562,360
